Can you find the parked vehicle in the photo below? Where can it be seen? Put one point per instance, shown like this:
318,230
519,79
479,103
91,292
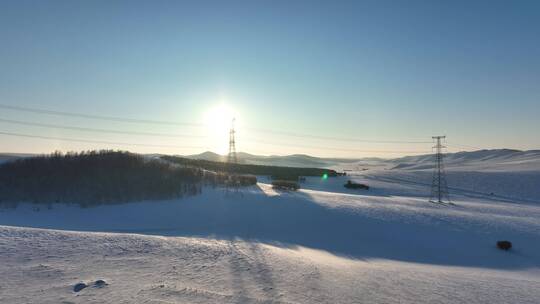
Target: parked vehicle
352,185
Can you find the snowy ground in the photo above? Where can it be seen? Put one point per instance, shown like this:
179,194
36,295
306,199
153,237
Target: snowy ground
41,266
323,244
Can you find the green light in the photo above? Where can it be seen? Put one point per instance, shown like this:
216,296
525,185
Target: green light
325,176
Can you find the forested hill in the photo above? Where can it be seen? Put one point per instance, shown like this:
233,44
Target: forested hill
94,178
278,172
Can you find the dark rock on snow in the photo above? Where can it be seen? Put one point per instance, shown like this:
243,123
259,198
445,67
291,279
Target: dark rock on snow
504,245
79,286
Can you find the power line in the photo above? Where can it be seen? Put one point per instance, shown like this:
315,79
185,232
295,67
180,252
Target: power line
99,117
195,147
97,130
192,124
302,135
463,146
54,126
98,141
332,148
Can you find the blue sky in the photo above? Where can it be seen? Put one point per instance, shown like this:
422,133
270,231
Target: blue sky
375,70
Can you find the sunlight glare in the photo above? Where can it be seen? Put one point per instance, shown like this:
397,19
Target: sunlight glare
218,121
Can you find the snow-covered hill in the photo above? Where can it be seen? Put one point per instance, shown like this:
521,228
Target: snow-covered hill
321,216
481,160
41,266
322,244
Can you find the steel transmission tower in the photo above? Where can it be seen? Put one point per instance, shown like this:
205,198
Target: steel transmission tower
231,157
439,187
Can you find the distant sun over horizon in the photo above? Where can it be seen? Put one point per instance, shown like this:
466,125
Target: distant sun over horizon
349,79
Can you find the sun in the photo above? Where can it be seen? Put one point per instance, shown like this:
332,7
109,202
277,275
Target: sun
218,120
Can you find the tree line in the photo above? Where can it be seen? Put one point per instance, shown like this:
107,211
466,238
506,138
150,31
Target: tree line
276,172
96,177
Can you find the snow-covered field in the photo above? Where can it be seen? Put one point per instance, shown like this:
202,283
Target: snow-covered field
322,244
41,266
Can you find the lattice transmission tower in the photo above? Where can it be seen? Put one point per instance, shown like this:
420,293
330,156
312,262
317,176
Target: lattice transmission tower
231,157
439,187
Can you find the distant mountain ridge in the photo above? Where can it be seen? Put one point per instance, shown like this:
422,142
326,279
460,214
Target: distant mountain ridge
4,157
494,159
294,160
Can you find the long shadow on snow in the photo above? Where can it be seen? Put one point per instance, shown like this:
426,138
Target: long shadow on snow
293,219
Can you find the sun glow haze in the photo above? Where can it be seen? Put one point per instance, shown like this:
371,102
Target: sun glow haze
218,121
